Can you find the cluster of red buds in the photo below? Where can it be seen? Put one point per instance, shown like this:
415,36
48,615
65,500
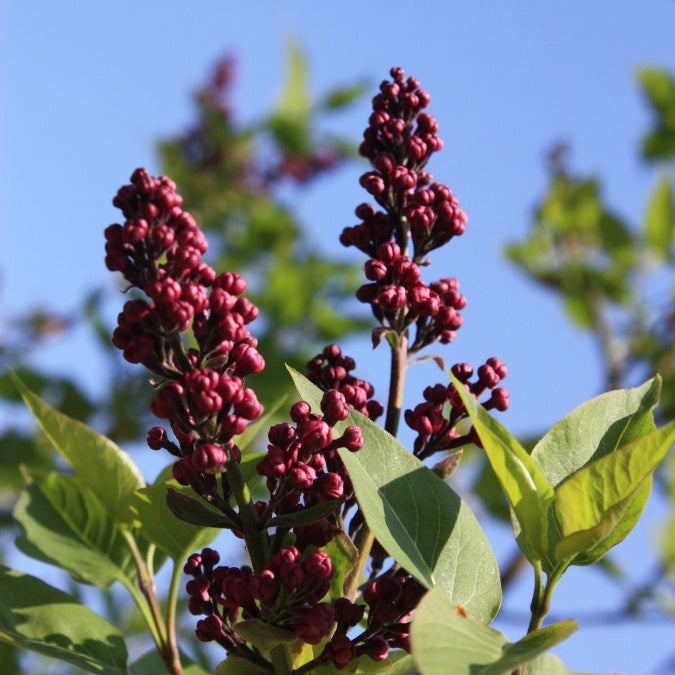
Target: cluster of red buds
436,428
331,370
290,592
200,391
398,142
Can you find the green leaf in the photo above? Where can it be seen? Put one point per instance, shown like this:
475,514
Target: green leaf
38,617
416,517
106,468
192,510
290,119
593,430
444,642
659,88
660,219
548,664
158,524
343,556
306,516
236,665
151,663
591,502
580,309
63,523
264,635
341,97
525,486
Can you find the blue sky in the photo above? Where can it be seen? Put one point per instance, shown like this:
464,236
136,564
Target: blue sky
87,90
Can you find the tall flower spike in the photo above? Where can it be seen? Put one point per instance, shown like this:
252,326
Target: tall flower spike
200,391
399,140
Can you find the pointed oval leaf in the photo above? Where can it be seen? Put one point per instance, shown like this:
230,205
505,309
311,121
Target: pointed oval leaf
306,516
595,429
660,219
43,619
105,467
446,642
419,520
591,502
343,556
548,664
525,486
237,665
632,513
64,524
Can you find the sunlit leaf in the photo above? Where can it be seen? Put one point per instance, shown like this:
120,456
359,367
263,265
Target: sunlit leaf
446,642
591,502
38,617
63,523
660,219
525,486
160,526
343,556
591,431
106,468
416,517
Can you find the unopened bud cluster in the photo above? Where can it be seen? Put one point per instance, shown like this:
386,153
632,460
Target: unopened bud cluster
417,216
200,391
435,427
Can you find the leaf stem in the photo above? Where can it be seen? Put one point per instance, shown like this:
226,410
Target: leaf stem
365,538
256,540
171,611
149,606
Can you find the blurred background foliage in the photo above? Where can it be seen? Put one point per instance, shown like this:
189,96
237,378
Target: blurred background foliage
615,280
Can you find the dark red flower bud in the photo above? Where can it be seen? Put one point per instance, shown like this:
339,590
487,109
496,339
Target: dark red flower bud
318,565
377,648
352,439
300,411
499,400
334,407
339,650
330,484
156,438
301,476
312,624
315,435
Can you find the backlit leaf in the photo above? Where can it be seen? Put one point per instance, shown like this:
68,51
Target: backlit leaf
105,467
43,619
525,486
416,517
445,642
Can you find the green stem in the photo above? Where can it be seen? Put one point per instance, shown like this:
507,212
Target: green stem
256,540
140,594
536,605
148,604
172,601
365,538
399,362
364,542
